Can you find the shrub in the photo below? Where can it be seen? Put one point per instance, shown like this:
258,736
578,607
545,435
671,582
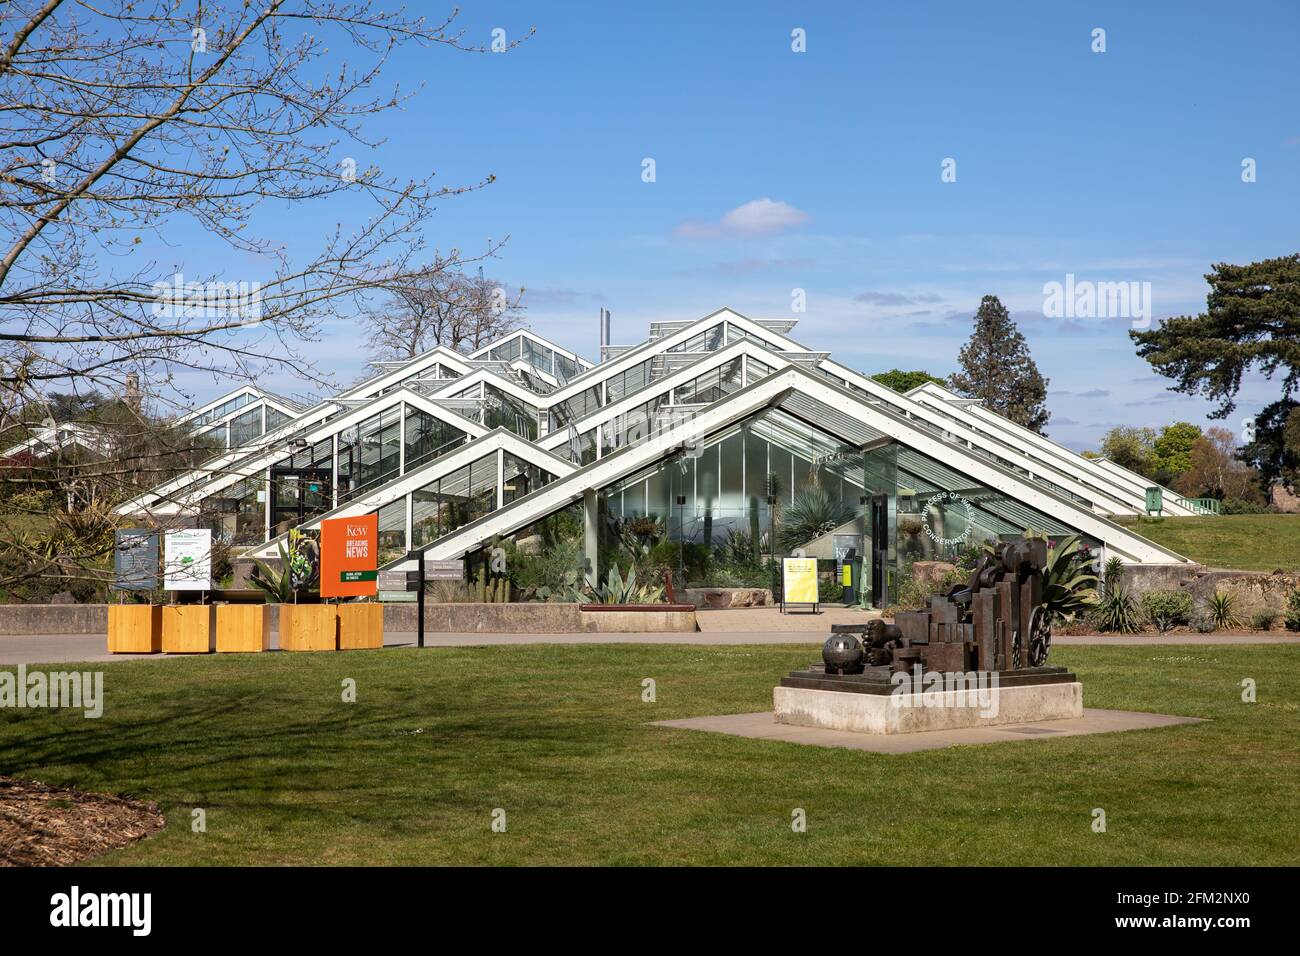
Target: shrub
1117,612
1168,609
548,568
738,576
1204,624
1221,609
1263,620
1293,611
830,591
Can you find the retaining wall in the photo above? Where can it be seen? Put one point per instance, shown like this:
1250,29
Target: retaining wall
516,618
1253,590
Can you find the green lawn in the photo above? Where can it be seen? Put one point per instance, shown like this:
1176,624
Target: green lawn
558,737
1242,542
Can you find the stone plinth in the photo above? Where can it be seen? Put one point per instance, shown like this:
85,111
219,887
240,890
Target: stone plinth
902,713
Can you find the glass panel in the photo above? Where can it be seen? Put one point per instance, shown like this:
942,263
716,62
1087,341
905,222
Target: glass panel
246,427
392,530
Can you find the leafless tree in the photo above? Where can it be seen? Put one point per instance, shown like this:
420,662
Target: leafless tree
442,305
119,121
131,126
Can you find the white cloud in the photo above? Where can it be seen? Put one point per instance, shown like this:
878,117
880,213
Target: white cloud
754,219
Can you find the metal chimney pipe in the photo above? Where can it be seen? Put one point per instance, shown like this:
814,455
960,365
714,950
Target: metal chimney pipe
604,331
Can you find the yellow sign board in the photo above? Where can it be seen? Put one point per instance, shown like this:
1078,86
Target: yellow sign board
799,580
846,574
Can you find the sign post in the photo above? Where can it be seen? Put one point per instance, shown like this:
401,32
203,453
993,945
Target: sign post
798,582
187,560
418,558
135,560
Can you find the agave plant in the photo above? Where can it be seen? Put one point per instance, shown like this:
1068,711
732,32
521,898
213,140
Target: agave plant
1069,581
812,511
276,585
1069,590
625,590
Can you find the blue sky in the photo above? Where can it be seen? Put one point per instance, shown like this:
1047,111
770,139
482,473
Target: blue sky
820,170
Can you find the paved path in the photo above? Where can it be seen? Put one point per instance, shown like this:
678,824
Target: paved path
56,648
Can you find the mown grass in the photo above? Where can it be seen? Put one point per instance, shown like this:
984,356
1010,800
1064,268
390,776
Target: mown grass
559,738
1241,542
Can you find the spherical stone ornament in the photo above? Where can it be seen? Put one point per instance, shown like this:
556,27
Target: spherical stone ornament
842,654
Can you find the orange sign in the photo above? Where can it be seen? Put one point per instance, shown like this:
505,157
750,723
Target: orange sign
349,549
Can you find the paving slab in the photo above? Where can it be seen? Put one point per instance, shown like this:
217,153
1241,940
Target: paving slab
763,726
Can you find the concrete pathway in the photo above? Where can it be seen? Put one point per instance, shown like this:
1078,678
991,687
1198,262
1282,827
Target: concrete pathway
766,619
57,648
763,726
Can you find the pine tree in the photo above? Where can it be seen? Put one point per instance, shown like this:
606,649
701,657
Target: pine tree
998,370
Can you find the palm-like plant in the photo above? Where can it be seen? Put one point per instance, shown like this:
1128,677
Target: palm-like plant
1118,612
1223,611
812,511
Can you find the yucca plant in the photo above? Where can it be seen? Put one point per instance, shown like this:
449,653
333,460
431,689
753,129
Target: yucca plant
1222,610
1118,612
1111,576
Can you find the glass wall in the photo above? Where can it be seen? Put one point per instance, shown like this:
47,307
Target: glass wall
521,478
427,437
392,530
727,480
244,428
370,453
936,513
238,515
456,499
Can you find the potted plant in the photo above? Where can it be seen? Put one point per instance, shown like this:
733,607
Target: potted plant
303,627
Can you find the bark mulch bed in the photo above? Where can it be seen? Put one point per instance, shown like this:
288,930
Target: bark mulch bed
48,826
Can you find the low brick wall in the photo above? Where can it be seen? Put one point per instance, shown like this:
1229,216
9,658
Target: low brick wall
517,618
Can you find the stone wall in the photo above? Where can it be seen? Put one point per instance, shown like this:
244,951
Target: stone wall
1253,590
729,597
516,618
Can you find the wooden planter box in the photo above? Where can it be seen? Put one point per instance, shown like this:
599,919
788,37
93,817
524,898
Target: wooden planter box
308,627
134,628
187,628
361,626
243,628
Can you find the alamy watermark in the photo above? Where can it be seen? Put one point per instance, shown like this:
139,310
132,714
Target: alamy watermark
953,689
178,299
83,690
1084,299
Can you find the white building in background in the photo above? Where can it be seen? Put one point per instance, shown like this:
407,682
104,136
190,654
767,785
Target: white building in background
709,427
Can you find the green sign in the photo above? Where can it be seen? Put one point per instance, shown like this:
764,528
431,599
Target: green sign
398,597
346,576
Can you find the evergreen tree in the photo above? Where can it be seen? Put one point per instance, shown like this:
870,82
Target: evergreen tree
1252,319
997,369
